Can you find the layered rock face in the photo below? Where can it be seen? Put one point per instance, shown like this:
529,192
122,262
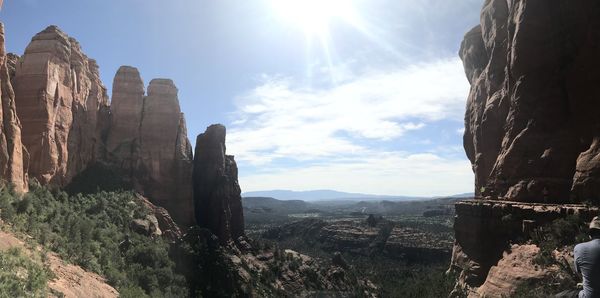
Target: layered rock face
532,133
62,104
217,194
13,155
148,142
485,229
127,103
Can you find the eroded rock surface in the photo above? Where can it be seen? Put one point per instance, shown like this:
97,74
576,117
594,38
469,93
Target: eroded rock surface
167,226
357,237
531,129
166,154
514,269
485,229
127,103
60,100
217,193
14,157
148,143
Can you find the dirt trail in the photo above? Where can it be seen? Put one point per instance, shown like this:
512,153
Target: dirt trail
72,281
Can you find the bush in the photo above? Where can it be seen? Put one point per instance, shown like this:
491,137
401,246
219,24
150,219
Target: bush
87,229
20,276
561,232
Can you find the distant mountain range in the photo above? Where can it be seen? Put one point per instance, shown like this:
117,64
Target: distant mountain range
332,195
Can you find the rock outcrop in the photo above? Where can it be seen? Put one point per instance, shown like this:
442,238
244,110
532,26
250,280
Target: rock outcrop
531,132
61,103
166,224
126,107
531,129
147,142
166,153
514,269
389,239
217,194
14,157
11,63
484,230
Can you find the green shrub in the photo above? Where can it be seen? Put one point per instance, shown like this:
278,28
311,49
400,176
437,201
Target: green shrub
20,276
561,232
87,229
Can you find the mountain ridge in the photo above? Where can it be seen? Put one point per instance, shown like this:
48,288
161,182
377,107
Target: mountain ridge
333,195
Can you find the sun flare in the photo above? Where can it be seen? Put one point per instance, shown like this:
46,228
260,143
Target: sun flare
315,16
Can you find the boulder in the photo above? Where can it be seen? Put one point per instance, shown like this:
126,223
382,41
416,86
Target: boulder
217,193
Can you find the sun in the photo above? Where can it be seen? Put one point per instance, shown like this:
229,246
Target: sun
314,17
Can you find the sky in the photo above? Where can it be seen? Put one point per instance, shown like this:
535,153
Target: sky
360,96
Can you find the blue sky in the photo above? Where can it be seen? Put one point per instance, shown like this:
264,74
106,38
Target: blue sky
356,95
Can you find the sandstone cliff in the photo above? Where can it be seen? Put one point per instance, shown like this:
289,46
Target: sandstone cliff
147,141
531,129
127,102
13,155
166,154
217,194
485,229
60,101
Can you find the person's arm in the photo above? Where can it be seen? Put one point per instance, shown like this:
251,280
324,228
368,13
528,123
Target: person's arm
576,261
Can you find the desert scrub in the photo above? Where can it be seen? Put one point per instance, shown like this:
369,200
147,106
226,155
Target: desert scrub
560,233
20,276
86,230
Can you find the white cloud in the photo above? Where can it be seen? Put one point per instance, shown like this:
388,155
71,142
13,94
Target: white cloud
390,173
281,121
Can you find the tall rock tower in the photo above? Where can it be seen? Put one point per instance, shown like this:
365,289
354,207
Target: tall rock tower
61,102
217,193
147,142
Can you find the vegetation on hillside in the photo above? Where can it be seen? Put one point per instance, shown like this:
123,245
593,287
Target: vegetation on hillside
21,276
87,229
560,235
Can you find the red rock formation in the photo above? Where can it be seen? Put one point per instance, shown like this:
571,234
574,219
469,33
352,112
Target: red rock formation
167,225
126,107
11,63
516,268
13,155
165,152
484,229
60,101
217,194
530,122
148,142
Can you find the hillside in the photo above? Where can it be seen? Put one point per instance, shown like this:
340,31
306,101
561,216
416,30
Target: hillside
62,279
